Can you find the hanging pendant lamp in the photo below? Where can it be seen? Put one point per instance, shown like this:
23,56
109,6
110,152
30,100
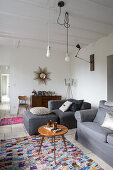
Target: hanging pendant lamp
67,58
66,25
48,53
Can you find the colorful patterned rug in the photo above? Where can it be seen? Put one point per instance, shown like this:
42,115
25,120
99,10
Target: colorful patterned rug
9,121
22,153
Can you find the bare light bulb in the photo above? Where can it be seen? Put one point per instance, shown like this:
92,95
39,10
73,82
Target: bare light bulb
48,54
67,58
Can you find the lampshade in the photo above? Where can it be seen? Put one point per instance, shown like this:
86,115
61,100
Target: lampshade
67,58
48,54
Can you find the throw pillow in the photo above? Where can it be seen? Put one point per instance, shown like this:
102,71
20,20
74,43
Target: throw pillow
108,121
108,103
40,110
74,107
65,106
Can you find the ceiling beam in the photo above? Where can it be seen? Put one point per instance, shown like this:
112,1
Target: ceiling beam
45,22
8,35
101,4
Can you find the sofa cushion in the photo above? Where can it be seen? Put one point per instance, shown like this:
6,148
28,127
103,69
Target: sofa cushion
102,110
94,130
108,121
74,107
110,139
67,119
108,103
78,102
40,110
65,106
64,115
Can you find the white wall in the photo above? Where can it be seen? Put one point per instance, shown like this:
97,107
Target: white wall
23,62
92,85
3,70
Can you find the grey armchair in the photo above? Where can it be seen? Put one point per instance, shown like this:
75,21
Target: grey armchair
92,135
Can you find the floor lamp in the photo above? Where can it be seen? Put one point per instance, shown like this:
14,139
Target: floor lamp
69,82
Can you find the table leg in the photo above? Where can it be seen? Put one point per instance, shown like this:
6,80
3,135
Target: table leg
41,144
64,141
54,149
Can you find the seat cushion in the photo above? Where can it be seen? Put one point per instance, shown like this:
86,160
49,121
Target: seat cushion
94,130
110,139
66,118
64,115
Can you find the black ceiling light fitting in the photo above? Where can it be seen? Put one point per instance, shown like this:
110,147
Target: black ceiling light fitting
66,25
91,58
78,46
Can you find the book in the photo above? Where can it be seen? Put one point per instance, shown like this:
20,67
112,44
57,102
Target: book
52,129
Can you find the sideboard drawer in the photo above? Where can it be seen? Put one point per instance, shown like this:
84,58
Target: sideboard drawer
42,101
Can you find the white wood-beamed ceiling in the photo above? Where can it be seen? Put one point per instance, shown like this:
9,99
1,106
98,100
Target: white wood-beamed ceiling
27,21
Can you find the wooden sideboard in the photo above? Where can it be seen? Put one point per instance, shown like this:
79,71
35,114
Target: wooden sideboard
42,101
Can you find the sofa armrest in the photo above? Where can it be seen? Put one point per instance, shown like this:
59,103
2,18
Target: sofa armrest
85,105
86,115
55,104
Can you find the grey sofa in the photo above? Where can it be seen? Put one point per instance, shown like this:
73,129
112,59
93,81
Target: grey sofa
67,118
33,122
90,133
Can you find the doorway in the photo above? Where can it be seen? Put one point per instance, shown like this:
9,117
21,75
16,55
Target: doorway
4,91
110,78
5,88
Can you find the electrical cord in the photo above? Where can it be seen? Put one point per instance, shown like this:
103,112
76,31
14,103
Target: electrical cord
66,19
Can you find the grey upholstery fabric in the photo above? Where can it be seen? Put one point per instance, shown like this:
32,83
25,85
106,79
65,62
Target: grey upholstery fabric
33,122
110,139
55,104
102,149
102,110
94,130
66,118
85,105
90,133
85,115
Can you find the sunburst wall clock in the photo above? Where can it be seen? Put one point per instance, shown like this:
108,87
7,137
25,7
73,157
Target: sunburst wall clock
42,75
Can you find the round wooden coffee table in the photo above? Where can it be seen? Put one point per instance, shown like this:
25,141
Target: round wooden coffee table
44,132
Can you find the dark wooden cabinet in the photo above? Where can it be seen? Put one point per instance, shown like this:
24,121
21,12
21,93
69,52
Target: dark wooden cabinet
42,101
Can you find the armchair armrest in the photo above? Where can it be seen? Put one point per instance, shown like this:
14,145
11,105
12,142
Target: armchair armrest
86,115
55,104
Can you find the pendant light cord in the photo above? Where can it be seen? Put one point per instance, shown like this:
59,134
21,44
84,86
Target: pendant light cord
67,39
66,19
48,25
48,33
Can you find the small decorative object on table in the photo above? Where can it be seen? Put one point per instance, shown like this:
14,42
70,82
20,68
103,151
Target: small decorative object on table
49,123
55,125
34,93
52,127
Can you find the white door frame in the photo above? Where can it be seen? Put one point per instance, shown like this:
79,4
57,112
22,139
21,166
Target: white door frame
1,82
